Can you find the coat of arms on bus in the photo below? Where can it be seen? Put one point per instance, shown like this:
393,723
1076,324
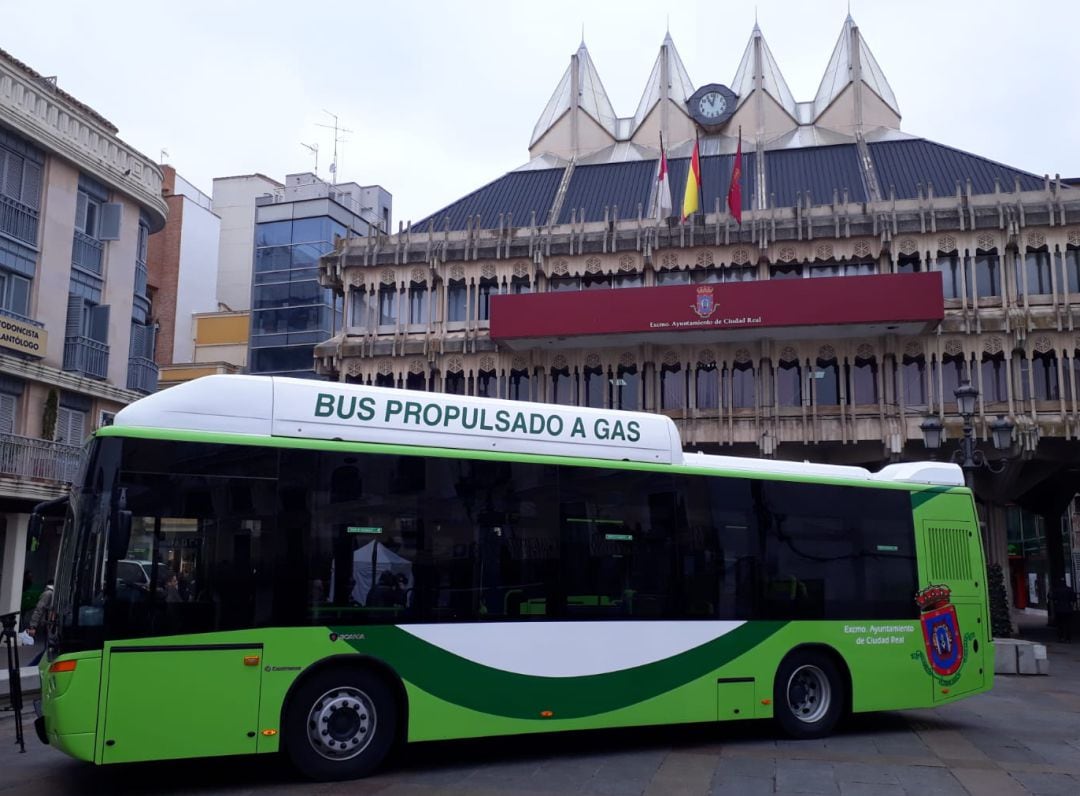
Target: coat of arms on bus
705,305
941,630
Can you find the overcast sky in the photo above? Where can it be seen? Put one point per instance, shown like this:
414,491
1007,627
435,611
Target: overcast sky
441,97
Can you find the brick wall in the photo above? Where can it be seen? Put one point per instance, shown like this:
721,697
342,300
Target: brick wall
164,269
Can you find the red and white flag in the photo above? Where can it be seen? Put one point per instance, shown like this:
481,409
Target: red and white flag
663,186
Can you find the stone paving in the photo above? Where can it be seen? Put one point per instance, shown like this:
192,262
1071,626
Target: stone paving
1022,737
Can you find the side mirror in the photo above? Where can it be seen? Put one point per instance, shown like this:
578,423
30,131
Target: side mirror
120,534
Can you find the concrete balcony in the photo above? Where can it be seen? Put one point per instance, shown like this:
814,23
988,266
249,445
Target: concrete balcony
52,465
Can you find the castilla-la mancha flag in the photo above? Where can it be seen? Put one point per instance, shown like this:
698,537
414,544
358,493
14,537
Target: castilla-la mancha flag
734,194
690,204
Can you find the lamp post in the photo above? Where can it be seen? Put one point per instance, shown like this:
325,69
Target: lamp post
968,456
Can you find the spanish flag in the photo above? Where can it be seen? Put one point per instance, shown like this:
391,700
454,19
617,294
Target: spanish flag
690,203
734,194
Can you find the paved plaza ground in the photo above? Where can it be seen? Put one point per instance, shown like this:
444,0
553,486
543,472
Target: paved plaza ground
1022,737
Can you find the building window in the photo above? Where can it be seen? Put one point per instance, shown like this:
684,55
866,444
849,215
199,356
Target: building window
384,380
457,294
785,271
789,383
9,405
1072,269
388,305
628,280
625,388
519,285
87,213
987,276
908,264
674,277
823,270
952,278
743,386
1036,266
952,374
596,282
672,387
707,382
864,381
827,381
596,384
483,298
1045,376
416,381
564,284
914,377
994,381
519,385
418,303
1072,369
358,313
70,426
487,384
14,293
740,273
705,276
562,387
454,383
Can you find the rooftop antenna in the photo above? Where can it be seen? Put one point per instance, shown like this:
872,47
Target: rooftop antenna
164,156
314,150
338,137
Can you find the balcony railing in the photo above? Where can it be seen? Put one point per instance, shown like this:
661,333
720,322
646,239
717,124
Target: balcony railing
18,220
86,252
86,356
25,457
142,374
6,313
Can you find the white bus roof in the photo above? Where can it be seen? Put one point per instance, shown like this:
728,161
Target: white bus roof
273,406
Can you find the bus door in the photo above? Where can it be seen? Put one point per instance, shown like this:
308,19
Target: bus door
181,700
952,606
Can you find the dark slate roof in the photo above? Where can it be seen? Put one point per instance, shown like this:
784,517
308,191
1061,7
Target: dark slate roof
609,185
820,171
904,165
516,194
715,180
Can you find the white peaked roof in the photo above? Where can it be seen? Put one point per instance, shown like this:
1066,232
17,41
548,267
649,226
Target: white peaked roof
772,81
839,72
680,87
591,98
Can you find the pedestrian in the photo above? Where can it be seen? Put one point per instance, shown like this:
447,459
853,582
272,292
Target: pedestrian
39,620
1064,604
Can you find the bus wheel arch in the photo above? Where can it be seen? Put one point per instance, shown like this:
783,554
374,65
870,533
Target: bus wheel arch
354,681
811,691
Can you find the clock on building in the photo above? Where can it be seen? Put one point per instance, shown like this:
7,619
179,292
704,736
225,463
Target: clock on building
711,105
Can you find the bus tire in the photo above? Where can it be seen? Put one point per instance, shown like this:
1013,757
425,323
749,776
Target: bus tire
808,694
340,724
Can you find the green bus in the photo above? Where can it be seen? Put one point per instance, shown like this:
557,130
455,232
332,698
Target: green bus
252,565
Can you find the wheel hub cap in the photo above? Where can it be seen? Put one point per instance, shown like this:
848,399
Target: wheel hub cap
341,723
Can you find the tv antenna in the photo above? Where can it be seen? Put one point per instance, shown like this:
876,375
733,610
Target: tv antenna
338,137
164,156
314,150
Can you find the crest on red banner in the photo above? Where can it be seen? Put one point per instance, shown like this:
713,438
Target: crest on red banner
705,305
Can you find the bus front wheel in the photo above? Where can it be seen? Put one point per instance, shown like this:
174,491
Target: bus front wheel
808,695
340,724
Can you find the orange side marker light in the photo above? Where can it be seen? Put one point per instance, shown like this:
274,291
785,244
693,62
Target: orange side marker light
269,733
766,702
62,666
251,660
944,690
546,714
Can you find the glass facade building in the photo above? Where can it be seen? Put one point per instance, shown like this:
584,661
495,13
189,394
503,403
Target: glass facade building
290,312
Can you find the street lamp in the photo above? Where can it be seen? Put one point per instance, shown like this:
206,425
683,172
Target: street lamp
967,455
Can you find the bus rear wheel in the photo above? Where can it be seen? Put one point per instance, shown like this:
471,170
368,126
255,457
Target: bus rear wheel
340,724
808,694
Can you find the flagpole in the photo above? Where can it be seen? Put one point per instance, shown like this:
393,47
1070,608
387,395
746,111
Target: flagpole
659,201
739,164
701,182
